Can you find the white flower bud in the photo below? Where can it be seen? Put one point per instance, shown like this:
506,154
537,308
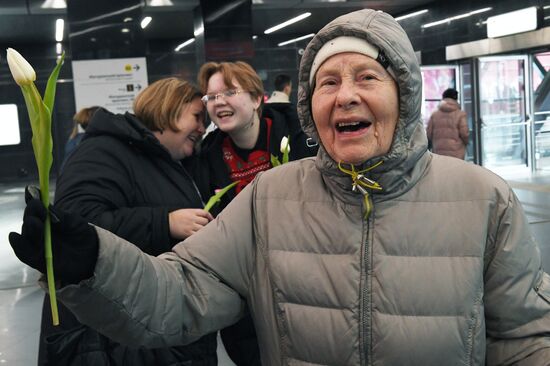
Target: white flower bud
21,70
284,144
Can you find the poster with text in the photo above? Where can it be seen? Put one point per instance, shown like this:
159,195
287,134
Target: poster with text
109,83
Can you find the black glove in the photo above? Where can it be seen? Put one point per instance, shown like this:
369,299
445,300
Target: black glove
74,242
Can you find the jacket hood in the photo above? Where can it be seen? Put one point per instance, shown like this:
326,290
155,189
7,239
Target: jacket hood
125,127
448,105
382,31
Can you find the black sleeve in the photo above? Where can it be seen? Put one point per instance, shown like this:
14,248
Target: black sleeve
98,183
209,172
301,146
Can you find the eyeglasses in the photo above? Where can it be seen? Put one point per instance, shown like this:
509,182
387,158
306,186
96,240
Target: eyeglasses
225,94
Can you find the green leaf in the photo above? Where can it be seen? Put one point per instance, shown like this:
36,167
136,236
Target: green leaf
49,94
216,198
41,124
275,161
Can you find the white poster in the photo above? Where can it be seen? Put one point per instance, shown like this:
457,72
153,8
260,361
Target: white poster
111,83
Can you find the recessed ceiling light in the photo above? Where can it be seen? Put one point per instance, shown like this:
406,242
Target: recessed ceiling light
456,17
160,3
287,23
416,13
145,22
199,31
184,44
54,4
125,30
296,39
59,26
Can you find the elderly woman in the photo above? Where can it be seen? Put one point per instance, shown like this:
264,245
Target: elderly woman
376,252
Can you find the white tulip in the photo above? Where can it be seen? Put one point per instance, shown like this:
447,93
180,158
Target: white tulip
284,144
21,70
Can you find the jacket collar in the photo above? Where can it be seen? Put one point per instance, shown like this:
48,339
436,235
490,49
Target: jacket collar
278,97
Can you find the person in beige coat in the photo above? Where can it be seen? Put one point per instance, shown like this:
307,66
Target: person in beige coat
375,252
448,127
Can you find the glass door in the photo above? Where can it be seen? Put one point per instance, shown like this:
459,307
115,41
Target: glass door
541,104
503,113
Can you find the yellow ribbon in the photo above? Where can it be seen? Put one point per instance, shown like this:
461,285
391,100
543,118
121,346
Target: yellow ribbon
361,182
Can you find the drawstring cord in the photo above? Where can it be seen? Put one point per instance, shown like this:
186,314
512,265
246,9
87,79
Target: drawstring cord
360,183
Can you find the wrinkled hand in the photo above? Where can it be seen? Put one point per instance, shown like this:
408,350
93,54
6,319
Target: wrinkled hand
187,221
74,242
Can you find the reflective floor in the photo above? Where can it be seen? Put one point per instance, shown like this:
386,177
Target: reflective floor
21,299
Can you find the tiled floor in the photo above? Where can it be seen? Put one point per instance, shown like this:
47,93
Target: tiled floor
21,299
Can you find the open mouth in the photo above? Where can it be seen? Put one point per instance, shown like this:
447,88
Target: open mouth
224,114
344,127
193,138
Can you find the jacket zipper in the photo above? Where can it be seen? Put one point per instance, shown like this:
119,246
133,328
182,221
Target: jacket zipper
366,357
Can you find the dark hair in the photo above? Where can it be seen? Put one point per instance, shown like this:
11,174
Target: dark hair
450,93
281,81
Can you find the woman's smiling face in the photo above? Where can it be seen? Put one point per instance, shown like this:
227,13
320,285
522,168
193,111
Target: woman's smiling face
232,113
355,106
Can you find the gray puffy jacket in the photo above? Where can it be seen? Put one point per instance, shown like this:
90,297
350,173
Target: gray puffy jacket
443,272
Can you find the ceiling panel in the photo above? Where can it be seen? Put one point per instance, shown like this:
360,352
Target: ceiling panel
26,21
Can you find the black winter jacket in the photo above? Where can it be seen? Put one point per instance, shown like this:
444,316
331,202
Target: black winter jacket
122,179
209,169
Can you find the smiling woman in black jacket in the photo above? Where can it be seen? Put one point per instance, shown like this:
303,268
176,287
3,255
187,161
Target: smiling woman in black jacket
126,177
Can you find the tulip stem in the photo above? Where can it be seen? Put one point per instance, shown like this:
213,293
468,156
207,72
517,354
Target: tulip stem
49,269
45,198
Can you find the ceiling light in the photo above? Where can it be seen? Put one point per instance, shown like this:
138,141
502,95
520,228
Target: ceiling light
145,22
161,3
58,48
518,21
54,4
222,10
296,39
59,25
199,31
254,36
125,30
186,43
450,19
416,13
128,19
287,23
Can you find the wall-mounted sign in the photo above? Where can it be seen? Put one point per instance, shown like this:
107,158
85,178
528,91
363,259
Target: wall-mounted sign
111,83
513,22
9,128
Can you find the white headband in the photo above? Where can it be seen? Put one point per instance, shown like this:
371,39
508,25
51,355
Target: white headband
344,44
